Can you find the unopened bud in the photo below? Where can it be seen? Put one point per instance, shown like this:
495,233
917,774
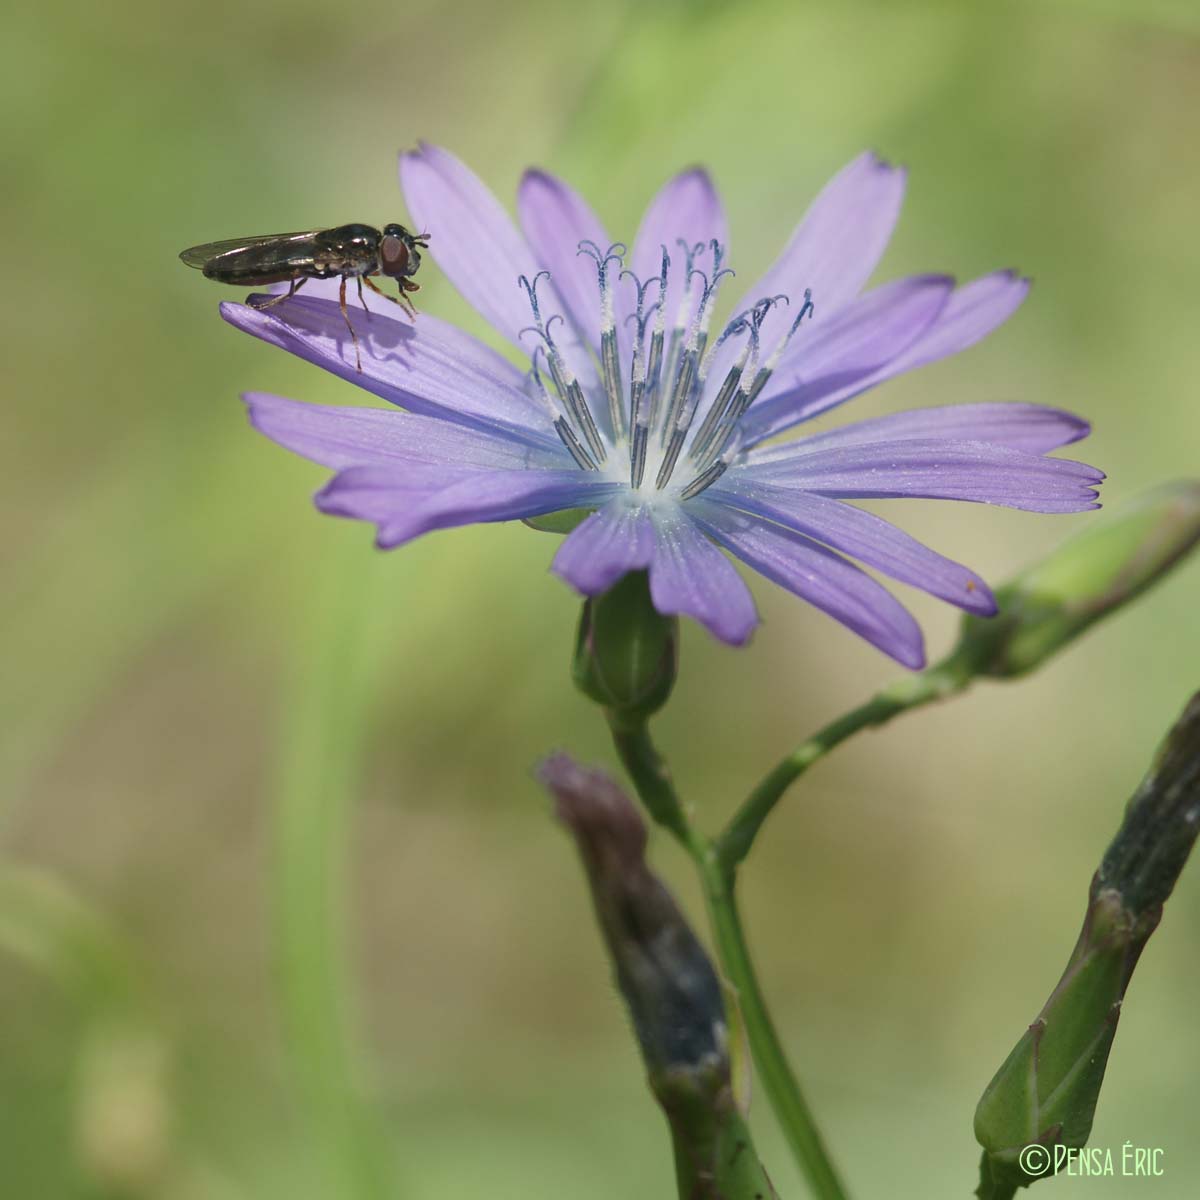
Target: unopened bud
1112,561
1044,1096
669,985
626,652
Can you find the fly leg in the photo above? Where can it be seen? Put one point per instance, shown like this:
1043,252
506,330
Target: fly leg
293,287
361,299
346,318
402,301
408,285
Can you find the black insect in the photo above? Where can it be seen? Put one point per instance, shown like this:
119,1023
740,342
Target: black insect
351,251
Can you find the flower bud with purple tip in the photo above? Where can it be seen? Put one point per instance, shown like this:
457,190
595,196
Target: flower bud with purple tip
669,986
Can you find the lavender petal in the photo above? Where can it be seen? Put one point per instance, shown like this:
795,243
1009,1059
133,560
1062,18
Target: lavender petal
941,470
401,511
477,246
836,246
555,219
472,239
686,207
691,577
340,437
825,356
860,534
971,313
1031,428
610,543
856,341
429,367
824,579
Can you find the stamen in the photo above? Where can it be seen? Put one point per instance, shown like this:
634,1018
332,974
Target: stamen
752,317
747,395
704,480
667,377
715,421
690,383
578,453
679,329
711,474
531,292
610,362
564,378
805,309
654,363
768,368
637,453
637,374
679,417
615,253
561,426
705,311
720,405
693,363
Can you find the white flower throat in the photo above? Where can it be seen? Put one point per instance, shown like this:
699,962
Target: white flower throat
645,433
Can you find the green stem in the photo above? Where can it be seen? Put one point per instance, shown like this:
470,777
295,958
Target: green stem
944,679
652,781
991,1188
778,1079
651,777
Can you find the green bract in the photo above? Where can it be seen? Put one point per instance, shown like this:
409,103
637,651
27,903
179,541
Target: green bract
626,653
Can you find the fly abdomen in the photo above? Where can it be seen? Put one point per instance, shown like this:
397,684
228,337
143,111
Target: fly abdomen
248,274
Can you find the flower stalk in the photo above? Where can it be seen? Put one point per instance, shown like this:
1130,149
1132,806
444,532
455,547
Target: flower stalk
778,1079
1041,612
945,679
653,784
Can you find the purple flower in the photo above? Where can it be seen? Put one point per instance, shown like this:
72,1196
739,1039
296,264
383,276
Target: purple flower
636,408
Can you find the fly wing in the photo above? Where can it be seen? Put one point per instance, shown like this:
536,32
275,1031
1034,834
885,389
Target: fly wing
266,248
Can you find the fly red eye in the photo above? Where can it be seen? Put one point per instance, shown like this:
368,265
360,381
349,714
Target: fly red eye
393,256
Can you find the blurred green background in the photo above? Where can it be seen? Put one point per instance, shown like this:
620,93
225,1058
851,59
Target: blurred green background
212,690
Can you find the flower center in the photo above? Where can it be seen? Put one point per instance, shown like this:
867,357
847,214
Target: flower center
661,426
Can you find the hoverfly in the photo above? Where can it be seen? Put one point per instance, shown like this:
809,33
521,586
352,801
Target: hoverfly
350,251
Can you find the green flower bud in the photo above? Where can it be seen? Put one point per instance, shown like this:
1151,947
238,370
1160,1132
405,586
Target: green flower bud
1042,1100
1111,562
669,986
626,653
1045,1093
